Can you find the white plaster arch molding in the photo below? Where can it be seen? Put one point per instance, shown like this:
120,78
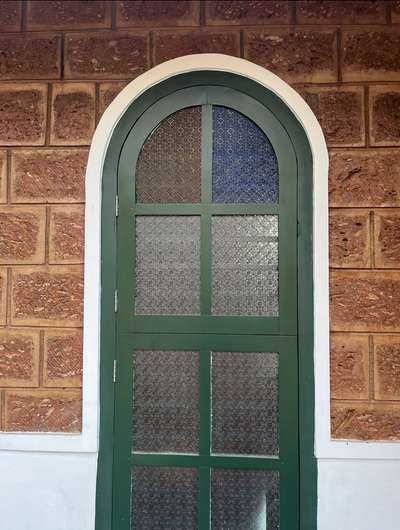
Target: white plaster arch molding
88,440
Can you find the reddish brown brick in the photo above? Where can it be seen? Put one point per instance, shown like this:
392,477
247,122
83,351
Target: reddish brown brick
108,91
340,112
63,358
387,238
3,176
365,300
30,56
10,15
223,13
300,55
23,234
66,238
365,421
387,367
341,12
395,11
48,296
19,357
364,177
48,175
73,113
349,238
385,115
150,13
371,54
106,54
43,411
168,45
3,296
349,366
75,14
23,114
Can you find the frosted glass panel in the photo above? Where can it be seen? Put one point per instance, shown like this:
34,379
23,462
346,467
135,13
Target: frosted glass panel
245,265
244,500
244,164
166,401
245,403
169,165
164,498
167,265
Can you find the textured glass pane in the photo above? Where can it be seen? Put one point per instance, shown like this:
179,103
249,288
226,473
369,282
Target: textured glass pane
169,165
166,401
164,498
245,403
245,265
244,500
167,265
244,164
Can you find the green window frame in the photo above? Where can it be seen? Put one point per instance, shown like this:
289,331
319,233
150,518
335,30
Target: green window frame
290,334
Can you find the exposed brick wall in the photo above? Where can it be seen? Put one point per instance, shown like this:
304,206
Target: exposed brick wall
62,63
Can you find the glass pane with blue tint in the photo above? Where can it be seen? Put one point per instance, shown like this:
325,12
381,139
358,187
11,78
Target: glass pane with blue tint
245,265
166,401
244,500
244,164
164,498
167,265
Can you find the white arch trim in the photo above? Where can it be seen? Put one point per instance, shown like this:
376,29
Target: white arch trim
88,440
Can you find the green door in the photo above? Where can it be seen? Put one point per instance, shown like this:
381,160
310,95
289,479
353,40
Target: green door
206,429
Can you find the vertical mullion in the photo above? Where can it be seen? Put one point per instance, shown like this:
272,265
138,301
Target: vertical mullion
206,197
204,499
205,402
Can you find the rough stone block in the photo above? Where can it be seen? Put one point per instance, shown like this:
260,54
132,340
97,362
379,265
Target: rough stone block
158,13
47,296
349,366
30,56
3,176
3,296
168,45
23,111
48,175
106,55
22,234
302,55
43,411
247,12
365,300
371,54
341,12
19,357
385,115
395,11
387,238
349,238
107,92
10,15
364,178
75,14
387,367
365,421
66,238
72,113
340,112
63,351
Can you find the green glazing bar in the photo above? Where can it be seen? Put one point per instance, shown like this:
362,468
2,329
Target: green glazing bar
191,460
205,402
204,498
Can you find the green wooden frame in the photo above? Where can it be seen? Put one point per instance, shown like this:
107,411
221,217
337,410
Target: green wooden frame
224,83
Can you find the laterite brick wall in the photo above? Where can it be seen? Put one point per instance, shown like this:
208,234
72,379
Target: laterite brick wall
61,63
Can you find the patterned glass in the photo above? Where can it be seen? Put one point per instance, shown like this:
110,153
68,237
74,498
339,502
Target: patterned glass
167,265
169,164
245,265
244,164
165,401
244,500
164,498
245,408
